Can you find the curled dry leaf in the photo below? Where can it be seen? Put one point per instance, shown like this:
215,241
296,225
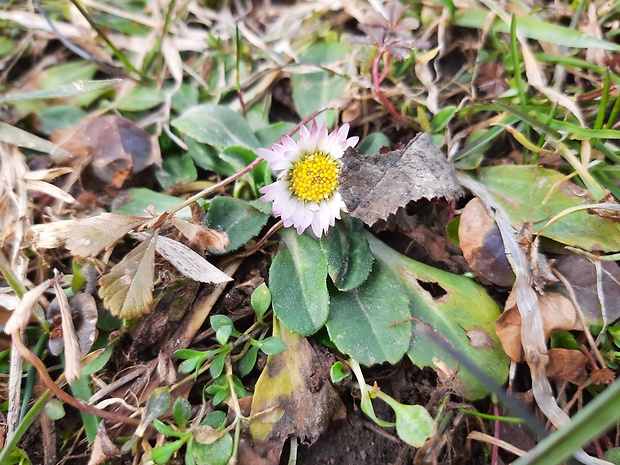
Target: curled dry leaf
21,315
187,261
103,448
596,287
567,365
127,290
374,187
482,246
115,146
292,397
557,313
85,237
84,316
73,356
200,235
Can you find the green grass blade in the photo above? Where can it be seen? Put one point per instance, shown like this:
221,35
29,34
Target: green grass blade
600,414
536,29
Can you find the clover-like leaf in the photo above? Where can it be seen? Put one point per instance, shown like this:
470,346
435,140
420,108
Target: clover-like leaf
127,290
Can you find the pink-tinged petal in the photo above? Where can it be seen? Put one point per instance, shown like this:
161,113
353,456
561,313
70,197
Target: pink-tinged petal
317,226
273,191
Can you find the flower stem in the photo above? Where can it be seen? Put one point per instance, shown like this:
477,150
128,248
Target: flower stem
214,187
376,81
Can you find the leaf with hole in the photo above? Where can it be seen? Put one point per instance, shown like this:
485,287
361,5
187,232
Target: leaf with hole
460,313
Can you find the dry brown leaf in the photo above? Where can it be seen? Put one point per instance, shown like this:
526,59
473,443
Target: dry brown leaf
292,397
127,290
482,246
374,187
115,146
73,355
596,287
89,236
103,448
557,313
201,235
21,315
567,365
187,261
84,315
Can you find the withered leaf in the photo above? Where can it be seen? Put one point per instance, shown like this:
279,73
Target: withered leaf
557,313
293,396
84,316
85,237
116,147
482,246
374,187
567,365
201,235
592,287
187,261
103,448
127,290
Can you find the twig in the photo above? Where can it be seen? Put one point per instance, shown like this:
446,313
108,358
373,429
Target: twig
62,395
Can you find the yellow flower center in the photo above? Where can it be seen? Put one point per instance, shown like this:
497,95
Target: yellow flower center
314,177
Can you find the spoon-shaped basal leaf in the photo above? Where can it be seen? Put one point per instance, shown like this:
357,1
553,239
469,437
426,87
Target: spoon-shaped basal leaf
461,313
298,284
371,323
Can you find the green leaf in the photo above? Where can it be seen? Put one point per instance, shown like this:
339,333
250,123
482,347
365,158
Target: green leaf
136,200
532,28
461,313
82,390
273,133
313,91
223,334
373,143
272,345
176,170
54,409
216,125
247,362
338,372
157,403
239,220
59,117
535,194
207,158
370,323
181,412
442,118
217,365
142,98
297,280
414,424
164,429
349,259
261,300
215,419
219,321
163,454
216,453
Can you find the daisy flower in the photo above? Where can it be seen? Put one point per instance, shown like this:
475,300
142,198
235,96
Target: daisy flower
306,190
